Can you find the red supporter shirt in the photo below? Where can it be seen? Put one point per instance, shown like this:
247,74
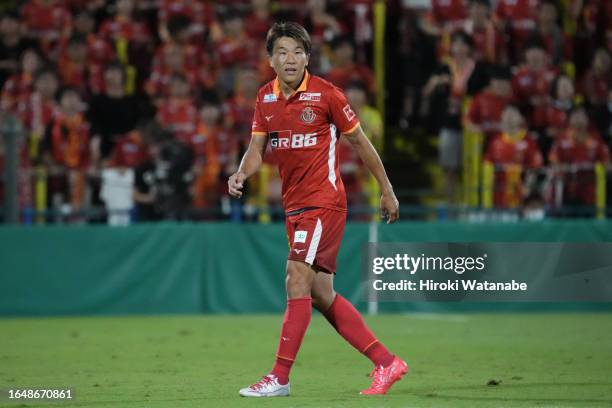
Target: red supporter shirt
16,91
342,77
520,15
46,20
303,133
557,116
238,112
180,116
532,89
503,152
579,185
130,30
130,151
448,13
486,111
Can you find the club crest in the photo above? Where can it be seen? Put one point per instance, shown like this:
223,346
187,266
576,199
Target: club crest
308,115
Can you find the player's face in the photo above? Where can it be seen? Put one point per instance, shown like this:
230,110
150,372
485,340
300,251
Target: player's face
289,60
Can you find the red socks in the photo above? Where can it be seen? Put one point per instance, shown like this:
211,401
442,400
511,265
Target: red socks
349,324
297,319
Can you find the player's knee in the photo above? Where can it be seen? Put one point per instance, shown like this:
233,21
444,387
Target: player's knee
299,280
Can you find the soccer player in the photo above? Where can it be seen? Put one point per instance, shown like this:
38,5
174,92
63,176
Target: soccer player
302,117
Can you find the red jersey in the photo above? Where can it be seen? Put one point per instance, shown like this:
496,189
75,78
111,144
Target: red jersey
557,117
303,132
511,156
532,88
129,151
201,14
129,30
342,77
486,111
489,42
238,115
47,20
448,14
16,91
180,117
520,15
579,185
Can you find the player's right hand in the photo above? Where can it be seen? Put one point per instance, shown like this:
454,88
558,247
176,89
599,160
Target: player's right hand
235,184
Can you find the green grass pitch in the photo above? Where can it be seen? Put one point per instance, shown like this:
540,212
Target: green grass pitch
539,360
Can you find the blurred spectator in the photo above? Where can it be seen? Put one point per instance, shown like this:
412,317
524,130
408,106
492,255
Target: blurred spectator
161,184
598,79
130,151
39,109
532,83
12,44
444,92
171,62
74,67
123,27
131,40
573,156
322,27
178,113
364,188
517,18
112,113
232,50
514,155
558,44
205,145
557,113
260,20
486,108
18,87
48,22
68,152
445,17
489,42
193,61
344,68
201,16
225,141
99,51
238,110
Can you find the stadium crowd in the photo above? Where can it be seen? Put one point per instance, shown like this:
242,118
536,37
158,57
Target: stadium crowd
146,105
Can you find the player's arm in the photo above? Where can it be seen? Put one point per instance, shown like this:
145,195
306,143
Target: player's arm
389,206
250,163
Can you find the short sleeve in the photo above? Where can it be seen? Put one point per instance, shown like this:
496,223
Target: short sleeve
259,126
341,113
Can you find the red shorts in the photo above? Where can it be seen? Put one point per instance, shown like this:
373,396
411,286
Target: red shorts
314,237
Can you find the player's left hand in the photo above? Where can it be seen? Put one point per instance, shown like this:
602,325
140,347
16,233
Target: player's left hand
389,207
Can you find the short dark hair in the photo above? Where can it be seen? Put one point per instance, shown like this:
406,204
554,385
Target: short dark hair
288,29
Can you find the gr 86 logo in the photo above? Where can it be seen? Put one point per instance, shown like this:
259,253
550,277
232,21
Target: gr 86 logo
284,139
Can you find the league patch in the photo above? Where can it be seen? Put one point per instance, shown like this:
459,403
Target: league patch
269,98
300,237
310,96
348,112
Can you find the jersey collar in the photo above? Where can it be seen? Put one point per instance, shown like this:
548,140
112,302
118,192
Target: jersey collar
303,86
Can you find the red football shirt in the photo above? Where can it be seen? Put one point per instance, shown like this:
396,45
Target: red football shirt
303,133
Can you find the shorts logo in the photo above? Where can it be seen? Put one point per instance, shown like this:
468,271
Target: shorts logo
300,236
309,96
348,112
308,115
269,98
